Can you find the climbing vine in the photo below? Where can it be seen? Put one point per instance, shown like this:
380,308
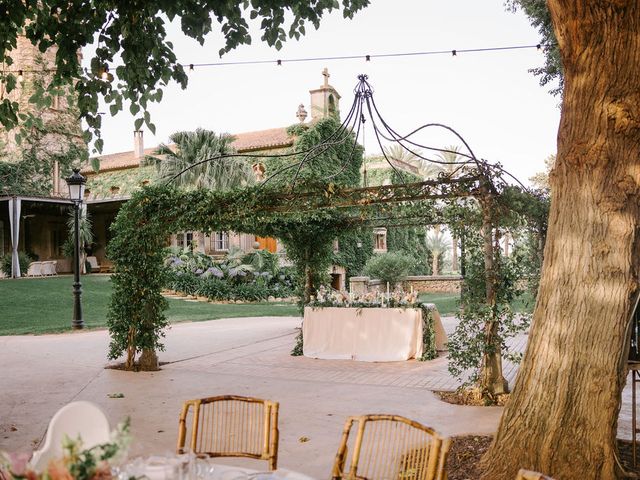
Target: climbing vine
487,319
50,133
136,316
307,214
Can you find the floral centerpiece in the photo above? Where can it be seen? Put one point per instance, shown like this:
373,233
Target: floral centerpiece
375,299
76,463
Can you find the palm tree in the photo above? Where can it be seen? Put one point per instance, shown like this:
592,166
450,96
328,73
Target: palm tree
398,154
451,161
173,163
451,167
193,147
437,244
85,233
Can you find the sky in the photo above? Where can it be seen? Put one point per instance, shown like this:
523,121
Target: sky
489,98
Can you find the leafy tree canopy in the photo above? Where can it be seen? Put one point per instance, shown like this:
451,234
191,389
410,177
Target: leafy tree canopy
133,35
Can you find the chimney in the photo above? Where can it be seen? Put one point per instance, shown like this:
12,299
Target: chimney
138,144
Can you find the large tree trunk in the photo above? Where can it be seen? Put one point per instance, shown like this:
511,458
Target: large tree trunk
561,419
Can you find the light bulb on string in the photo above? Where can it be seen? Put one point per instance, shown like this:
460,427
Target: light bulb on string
106,76
20,76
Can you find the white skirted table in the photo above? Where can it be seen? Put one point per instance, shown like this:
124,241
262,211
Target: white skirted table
367,334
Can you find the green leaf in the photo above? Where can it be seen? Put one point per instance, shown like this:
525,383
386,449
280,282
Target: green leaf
134,108
138,123
95,164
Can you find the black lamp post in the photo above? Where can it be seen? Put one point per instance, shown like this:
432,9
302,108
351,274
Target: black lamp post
76,194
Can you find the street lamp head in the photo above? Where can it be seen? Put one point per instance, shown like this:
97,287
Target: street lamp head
76,184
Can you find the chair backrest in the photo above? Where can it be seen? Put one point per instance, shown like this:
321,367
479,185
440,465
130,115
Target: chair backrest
230,426
49,267
531,475
390,447
93,261
83,419
35,269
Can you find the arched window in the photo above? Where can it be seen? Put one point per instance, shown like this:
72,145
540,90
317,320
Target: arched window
332,105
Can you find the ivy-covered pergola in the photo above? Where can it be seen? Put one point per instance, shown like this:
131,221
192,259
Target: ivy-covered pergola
307,213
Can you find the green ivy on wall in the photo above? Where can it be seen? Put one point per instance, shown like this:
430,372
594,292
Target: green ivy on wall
46,135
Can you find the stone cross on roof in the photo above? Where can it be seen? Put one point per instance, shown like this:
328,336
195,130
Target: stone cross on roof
325,72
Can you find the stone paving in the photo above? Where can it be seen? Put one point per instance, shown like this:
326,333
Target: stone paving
246,356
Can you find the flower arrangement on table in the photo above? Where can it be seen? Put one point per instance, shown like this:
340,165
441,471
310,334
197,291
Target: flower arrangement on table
95,463
375,299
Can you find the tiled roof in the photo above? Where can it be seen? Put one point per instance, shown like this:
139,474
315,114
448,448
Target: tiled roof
244,142
116,161
262,140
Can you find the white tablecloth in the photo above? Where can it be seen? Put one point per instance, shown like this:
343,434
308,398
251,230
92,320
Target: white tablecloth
367,334
166,468
441,335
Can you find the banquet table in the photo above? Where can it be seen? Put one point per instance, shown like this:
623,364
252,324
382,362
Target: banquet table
367,334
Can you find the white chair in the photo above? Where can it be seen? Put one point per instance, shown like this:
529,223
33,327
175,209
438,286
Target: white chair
49,268
35,269
93,261
83,419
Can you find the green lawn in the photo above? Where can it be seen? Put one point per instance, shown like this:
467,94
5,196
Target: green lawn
447,302
45,305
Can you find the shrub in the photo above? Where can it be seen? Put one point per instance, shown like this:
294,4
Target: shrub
262,261
23,259
388,267
214,289
251,292
186,283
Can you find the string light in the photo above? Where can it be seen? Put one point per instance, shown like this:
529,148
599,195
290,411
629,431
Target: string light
105,75
20,76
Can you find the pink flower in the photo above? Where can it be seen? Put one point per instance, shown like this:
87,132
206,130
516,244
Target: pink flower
18,463
102,472
57,470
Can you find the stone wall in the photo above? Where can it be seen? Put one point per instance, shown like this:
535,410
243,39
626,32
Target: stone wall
421,283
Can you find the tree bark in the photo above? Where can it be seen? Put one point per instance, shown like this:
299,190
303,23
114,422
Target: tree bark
454,253
435,264
492,381
561,419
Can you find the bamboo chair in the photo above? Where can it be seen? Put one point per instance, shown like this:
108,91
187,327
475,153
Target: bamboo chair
231,426
530,475
391,447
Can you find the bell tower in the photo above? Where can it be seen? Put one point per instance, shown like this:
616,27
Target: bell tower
325,101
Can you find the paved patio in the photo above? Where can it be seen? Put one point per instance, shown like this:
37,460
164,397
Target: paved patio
246,356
